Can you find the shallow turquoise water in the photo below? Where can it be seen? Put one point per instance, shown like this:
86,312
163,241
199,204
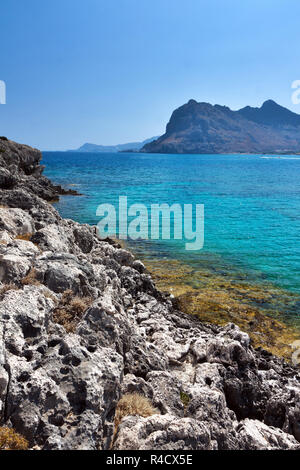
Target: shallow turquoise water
252,202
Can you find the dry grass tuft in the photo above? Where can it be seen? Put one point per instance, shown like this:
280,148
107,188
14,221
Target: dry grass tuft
25,236
133,404
70,310
11,440
49,295
6,288
30,279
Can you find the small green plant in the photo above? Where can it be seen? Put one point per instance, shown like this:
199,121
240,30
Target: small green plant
184,397
11,440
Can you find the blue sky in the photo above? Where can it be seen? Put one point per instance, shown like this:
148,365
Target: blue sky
113,71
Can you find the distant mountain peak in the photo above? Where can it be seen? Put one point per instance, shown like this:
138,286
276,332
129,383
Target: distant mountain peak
270,103
271,114
192,101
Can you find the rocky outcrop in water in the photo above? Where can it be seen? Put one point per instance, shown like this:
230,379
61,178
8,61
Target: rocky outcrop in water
82,324
21,172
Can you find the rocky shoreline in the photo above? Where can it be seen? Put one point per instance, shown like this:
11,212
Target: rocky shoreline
260,309
82,327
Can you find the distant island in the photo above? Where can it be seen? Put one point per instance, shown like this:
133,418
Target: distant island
205,128
131,146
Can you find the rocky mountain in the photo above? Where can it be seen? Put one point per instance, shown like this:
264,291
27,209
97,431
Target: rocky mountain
271,114
131,146
204,128
93,356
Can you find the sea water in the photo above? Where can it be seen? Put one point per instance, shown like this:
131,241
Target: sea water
252,206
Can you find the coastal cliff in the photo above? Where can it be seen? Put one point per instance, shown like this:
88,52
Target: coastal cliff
83,329
21,171
204,128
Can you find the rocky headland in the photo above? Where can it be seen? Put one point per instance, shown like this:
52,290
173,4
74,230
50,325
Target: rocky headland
94,356
204,128
128,147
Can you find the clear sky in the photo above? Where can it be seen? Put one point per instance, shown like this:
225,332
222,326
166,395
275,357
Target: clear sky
112,71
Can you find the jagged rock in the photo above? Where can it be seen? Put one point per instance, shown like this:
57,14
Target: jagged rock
7,180
165,432
63,271
52,238
133,384
84,238
292,420
56,388
138,266
166,392
20,166
255,435
16,221
16,261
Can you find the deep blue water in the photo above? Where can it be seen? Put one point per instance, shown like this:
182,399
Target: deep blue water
252,202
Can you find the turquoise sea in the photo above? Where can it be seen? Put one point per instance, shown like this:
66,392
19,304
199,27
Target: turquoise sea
252,206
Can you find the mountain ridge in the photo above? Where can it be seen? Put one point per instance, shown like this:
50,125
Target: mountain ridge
199,127
127,147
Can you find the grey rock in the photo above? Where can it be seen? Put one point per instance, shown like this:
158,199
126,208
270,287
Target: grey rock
165,432
20,167
16,221
7,180
255,435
